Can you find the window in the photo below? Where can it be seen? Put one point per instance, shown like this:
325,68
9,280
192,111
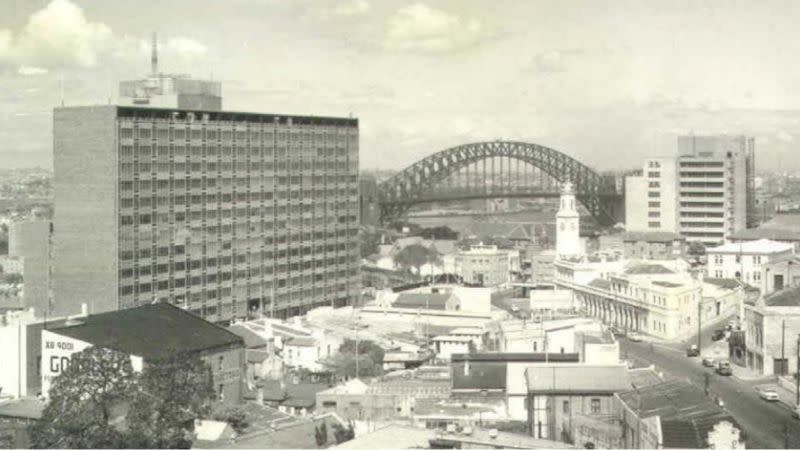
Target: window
221,394
565,407
221,360
595,406
654,194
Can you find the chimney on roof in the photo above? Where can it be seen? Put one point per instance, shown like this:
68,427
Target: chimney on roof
84,310
466,366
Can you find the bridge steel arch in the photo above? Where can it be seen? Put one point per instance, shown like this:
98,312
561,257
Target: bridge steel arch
407,188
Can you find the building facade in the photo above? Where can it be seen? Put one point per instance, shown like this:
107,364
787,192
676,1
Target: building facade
568,241
30,240
772,327
220,213
705,193
745,261
486,265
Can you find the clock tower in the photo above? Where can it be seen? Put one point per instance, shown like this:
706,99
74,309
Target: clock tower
568,241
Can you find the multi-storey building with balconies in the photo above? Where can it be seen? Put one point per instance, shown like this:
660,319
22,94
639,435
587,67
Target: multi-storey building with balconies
706,193
221,213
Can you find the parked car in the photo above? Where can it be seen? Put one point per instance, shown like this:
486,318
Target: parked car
717,335
708,361
769,395
692,351
616,331
634,337
724,368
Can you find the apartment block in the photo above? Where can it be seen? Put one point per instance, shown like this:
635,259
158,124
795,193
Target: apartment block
225,214
706,192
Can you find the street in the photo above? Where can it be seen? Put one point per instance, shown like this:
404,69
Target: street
764,422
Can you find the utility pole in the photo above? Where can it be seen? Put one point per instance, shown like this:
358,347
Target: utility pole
783,347
699,324
797,374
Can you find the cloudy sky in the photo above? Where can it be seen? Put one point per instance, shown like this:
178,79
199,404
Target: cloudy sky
607,81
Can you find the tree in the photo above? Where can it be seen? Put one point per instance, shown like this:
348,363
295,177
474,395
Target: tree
99,401
12,278
321,435
82,398
415,256
442,233
369,243
368,354
235,416
343,434
173,392
696,249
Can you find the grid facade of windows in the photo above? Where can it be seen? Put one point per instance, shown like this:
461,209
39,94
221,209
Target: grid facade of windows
228,214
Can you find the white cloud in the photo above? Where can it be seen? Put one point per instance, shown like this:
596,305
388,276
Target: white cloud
549,62
351,8
185,48
57,35
419,27
784,136
61,36
31,70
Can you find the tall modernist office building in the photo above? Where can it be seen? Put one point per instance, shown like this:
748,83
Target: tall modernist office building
221,213
706,192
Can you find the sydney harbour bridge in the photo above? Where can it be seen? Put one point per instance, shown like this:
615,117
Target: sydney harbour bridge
499,169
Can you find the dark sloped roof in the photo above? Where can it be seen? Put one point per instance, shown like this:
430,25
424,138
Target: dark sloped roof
773,234
725,283
273,391
251,338
151,331
651,236
691,432
424,301
481,375
24,408
303,395
516,357
785,297
647,269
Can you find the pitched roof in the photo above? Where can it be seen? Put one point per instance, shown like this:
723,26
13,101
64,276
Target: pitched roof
150,331
303,395
256,356
571,378
212,430
479,376
516,357
785,297
24,408
643,377
651,236
301,341
647,269
668,399
251,338
691,432
752,234
273,391
725,283
391,436
423,301
758,246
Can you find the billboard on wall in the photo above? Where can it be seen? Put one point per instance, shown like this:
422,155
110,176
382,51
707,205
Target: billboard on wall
57,351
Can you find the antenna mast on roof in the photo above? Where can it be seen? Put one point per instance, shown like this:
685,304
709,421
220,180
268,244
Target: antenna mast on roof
154,55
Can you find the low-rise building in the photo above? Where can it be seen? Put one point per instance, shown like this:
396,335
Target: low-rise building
771,327
674,414
15,417
744,260
500,375
147,333
649,298
780,273
487,265
390,398
657,245
559,392
446,346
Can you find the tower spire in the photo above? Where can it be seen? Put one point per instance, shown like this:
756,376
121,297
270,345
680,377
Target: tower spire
154,55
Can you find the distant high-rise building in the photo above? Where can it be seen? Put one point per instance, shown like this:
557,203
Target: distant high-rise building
29,240
706,192
221,213
171,90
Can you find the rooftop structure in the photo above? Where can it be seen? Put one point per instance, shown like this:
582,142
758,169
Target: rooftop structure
571,378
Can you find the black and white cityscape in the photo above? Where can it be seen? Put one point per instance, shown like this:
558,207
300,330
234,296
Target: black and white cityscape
432,224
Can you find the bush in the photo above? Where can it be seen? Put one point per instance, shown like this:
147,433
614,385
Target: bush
235,416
